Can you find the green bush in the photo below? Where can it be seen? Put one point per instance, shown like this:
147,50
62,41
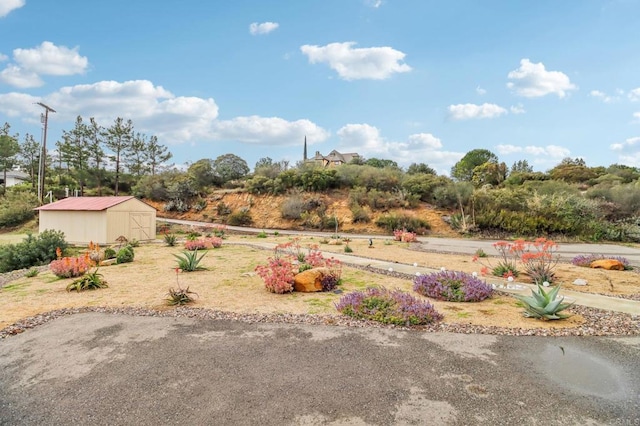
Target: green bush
391,222
17,208
239,218
125,255
32,251
109,253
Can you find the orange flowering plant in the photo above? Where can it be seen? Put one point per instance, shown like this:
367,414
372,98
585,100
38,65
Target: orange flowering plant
538,259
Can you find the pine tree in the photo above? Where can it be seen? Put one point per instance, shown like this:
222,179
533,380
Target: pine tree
118,140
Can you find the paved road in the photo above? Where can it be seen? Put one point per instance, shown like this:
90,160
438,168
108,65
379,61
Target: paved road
103,369
459,245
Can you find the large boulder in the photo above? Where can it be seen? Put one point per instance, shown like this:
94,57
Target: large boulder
608,264
310,280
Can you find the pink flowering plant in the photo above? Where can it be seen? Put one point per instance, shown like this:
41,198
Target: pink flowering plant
70,267
203,243
405,236
289,259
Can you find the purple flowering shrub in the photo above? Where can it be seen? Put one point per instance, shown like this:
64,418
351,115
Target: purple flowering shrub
388,307
452,286
586,259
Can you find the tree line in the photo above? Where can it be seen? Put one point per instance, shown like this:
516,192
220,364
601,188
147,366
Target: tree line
88,155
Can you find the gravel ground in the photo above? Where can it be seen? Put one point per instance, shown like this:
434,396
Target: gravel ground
597,322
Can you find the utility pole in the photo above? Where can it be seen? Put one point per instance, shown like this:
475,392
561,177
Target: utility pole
44,119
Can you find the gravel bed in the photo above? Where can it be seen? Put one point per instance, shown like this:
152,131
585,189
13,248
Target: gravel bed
597,322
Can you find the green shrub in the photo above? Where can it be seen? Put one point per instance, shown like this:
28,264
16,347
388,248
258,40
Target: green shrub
32,273
241,217
32,251
109,253
125,255
17,208
391,222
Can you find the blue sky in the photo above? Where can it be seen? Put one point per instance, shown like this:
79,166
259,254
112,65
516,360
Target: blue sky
406,80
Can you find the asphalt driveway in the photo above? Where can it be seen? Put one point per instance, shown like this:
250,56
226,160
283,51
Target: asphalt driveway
105,369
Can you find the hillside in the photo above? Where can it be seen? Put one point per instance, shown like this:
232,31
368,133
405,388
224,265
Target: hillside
265,212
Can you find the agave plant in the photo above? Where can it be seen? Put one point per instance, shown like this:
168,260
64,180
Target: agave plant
180,296
543,304
189,261
89,281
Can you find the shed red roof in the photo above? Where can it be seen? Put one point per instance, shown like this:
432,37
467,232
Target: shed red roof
85,203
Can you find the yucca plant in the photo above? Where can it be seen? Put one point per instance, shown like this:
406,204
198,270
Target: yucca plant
544,305
89,281
189,261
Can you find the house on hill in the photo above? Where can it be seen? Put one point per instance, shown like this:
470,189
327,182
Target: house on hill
334,158
99,219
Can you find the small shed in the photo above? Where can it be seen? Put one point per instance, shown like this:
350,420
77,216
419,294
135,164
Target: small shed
99,219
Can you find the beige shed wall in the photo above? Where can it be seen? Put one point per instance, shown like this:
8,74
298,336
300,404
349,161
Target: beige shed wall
79,227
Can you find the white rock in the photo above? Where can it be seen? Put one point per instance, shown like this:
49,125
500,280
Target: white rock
474,274
580,281
390,269
510,279
415,263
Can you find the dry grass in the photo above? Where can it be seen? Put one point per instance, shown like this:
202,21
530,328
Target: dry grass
230,284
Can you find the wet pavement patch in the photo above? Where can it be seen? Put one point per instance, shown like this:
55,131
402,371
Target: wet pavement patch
581,371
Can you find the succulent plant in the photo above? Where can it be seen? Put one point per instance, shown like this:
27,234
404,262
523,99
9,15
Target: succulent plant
543,304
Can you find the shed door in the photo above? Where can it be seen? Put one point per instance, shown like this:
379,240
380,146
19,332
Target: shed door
141,226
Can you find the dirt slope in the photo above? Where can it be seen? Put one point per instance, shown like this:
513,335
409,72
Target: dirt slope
265,211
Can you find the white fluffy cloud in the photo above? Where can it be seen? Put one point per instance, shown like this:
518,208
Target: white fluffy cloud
480,91
626,144
469,111
373,3
419,147
533,81
46,59
268,131
8,6
156,111
375,63
262,28
548,152
517,109
15,76
634,95
636,115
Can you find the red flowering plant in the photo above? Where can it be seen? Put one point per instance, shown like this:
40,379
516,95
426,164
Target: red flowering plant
538,259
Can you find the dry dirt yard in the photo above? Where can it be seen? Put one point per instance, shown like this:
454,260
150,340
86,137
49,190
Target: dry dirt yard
229,284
